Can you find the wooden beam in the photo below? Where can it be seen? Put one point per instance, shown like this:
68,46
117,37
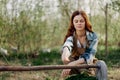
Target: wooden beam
44,67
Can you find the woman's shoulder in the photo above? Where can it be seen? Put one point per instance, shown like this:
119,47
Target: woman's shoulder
70,38
91,35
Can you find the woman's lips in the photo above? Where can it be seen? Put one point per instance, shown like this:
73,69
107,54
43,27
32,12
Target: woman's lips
79,26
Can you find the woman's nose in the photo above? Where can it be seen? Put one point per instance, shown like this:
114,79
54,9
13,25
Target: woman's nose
79,22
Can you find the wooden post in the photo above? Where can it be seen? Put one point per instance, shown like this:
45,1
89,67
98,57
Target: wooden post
46,67
106,28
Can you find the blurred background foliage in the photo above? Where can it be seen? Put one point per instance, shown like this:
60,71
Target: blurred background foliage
29,26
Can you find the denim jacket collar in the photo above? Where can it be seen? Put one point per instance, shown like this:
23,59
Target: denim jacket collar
90,35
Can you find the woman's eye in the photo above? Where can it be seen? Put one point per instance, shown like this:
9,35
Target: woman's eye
81,20
76,21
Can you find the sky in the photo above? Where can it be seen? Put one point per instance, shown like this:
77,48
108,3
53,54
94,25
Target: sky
51,6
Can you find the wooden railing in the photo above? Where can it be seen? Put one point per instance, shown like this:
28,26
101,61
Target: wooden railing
44,67
101,72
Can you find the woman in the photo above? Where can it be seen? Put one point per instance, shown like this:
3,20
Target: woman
80,43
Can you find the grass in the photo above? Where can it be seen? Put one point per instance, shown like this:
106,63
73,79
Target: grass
54,58
112,58
46,58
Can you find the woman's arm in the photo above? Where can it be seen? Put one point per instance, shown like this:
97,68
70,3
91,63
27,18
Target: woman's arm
65,55
91,50
67,49
77,62
66,72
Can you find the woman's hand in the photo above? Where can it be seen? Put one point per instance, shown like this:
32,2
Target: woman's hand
66,72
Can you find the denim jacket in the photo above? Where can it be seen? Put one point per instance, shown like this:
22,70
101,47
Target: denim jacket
89,52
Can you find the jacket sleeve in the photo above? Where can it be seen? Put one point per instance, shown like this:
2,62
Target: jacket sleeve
68,43
90,52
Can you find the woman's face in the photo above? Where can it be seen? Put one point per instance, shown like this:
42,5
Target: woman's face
79,23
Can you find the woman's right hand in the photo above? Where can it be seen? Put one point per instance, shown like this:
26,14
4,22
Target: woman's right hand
65,72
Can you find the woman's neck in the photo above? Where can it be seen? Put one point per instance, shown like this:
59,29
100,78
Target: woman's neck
81,33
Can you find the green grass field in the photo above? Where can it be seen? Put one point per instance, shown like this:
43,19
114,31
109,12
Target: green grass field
54,58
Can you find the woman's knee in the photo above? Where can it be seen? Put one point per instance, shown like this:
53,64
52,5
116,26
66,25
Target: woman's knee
65,60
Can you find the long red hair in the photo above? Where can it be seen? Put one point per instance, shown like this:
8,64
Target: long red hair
71,28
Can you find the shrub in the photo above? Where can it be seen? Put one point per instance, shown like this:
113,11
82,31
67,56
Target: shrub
82,76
